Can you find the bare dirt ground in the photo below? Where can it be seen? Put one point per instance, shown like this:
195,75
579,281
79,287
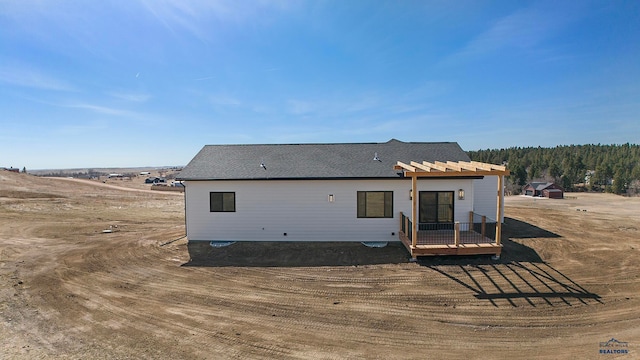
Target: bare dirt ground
568,280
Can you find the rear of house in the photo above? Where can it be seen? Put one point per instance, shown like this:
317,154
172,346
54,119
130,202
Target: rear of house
316,210
326,192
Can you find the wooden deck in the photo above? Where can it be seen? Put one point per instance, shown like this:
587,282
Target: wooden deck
442,242
444,246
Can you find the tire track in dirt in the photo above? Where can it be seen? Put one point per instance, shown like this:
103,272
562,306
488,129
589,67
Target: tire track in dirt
122,295
351,324
118,304
329,328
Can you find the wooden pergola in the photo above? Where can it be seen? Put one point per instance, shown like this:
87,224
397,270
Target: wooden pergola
450,169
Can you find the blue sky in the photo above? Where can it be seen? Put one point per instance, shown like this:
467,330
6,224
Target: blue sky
149,82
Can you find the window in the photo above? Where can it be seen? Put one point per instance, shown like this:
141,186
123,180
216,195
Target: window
436,207
222,202
375,204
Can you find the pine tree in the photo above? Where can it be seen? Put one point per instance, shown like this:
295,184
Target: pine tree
568,164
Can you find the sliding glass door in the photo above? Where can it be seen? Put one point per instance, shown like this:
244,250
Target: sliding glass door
436,210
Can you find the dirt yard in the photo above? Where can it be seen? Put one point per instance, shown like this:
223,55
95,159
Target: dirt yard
90,271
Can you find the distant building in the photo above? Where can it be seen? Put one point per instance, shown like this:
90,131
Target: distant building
544,189
588,176
12,169
155,180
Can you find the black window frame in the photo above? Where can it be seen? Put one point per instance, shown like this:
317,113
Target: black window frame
221,201
438,209
361,205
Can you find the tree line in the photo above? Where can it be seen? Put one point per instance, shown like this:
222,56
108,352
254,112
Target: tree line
611,168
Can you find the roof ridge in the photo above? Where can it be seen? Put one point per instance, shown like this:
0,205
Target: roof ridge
393,140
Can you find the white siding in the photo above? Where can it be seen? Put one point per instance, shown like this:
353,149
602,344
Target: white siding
485,197
266,210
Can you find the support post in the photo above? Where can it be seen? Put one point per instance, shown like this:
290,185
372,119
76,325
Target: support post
499,211
406,228
456,234
414,210
470,220
483,231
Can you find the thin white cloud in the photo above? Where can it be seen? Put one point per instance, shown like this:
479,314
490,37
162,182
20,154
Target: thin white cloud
197,16
175,15
299,107
370,103
63,27
363,103
130,96
224,100
80,129
24,76
524,29
116,113
101,109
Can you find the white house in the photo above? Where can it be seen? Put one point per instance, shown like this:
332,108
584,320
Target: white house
362,192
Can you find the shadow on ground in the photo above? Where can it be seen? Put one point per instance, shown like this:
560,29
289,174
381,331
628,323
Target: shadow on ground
300,254
514,228
294,254
519,277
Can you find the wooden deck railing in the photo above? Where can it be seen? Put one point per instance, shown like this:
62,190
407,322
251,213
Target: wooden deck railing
479,230
405,226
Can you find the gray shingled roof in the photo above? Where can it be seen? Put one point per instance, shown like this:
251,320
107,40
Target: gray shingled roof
313,161
539,186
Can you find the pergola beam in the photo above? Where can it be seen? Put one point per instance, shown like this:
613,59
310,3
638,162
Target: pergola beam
451,169
421,166
462,165
455,166
446,166
486,166
437,166
402,166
